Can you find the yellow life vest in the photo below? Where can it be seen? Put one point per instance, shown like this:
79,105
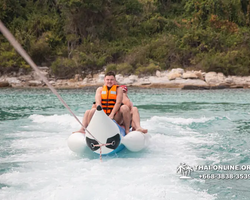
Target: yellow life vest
109,98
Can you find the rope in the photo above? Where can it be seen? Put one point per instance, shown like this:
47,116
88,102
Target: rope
23,53
101,145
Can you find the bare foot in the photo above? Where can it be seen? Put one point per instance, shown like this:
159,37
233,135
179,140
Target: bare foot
142,130
80,131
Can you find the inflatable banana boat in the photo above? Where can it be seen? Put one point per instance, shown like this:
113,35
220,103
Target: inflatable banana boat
104,136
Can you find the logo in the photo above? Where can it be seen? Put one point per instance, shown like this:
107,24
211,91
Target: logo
184,170
210,172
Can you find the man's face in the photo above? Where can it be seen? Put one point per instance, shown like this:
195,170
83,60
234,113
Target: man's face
109,81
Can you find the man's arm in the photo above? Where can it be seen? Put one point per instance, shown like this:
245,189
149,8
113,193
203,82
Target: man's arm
126,101
98,97
118,102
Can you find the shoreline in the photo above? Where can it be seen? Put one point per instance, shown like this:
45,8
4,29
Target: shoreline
176,79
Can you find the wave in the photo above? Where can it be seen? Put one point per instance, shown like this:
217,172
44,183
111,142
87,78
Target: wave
181,121
64,119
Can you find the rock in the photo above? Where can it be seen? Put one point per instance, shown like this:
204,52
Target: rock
91,80
194,82
85,81
213,79
158,73
190,75
176,78
13,80
220,86
126,81
173,76
34,83
146,83
43,70
26,78
200,75
101,78
228,80
61,83
239,80
52,82
77,77
221,77
72,80
237,86
159,80
194,87
177,71
20,72
96,76
4,84
13,74
165,85
133,78
119,78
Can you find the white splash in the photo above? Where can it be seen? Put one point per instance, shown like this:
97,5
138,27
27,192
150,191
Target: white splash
44,167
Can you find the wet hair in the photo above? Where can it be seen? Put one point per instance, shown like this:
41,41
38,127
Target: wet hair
110,73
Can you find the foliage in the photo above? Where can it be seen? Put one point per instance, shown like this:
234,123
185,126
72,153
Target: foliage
135,36
10,60
234,62
63,68
148,70
111,67
124,69
40,49
202,10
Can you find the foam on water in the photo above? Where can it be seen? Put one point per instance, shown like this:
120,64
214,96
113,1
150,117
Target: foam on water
181,121
195,127
46,169
66,120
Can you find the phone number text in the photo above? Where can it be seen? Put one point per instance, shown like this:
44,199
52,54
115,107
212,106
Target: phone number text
225,176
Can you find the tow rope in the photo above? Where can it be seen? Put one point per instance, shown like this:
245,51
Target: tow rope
26,57
101,145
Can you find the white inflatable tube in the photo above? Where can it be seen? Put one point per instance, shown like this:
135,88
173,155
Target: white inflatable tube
105,136
77,142
135,141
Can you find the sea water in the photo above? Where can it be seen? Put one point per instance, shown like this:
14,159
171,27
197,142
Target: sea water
205,128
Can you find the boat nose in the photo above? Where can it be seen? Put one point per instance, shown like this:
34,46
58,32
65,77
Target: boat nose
99,108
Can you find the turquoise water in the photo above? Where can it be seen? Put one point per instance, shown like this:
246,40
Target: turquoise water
209,127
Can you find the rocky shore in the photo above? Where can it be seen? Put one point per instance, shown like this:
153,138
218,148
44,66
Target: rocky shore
176,78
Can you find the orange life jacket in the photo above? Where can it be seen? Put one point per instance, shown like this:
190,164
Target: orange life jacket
109,98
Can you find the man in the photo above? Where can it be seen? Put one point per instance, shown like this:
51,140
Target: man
109,97
133,111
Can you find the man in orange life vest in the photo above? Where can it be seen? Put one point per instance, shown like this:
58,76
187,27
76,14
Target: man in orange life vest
135,117
110,98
